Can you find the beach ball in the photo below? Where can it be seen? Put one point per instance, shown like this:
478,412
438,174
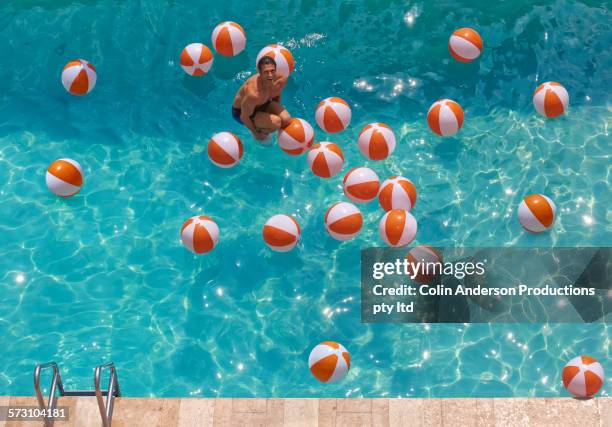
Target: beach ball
537,213
445,117
424,261
296,138
343,221
196,59
228,39
550,99
225,149
200,234
376,141
397,228
64,177
325,159
329,362
281,233
465,45
333,114
397,193
583,376
79,77
281,55
361,185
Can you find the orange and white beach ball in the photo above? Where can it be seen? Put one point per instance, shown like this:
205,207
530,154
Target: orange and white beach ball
296,138
426,263
333,114
376,141
200,234
64,177
196,59
361,184
225,149
397,228
343,221
228,38
550,99
583,376
465,45
537,213
329,362
397,193
281,55
281,233
445,117
79,77
325,159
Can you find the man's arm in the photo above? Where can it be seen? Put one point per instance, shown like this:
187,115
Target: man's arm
247,107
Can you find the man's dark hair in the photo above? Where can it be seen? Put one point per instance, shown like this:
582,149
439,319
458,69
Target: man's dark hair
265,60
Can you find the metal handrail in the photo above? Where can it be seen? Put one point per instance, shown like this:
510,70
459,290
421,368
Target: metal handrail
106,411
55,383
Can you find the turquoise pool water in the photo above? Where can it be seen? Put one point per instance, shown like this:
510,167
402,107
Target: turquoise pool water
103,276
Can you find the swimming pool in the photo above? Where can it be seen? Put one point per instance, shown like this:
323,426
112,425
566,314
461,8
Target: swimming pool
103,275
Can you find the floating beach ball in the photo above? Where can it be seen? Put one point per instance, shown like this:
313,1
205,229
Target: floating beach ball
281,233
583,376
228,39
281,55
550,99
196,59
329,362
200,234
79,77
343,221
397,228
465,45
296,138
376,141
225,149
333,114
445,117
361,185
397,193
325,159
64,177
422,258
537,213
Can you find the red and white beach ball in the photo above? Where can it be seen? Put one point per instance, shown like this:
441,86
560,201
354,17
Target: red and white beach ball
465,45
329,362
397,228
550,99
225,149
376,141
325,159
537,213
397,193
333,114
424,261
281,55
228,38
200,234
343,221
361,185
296,138
445,117
79,77
281,233
64,177
583,376
196,59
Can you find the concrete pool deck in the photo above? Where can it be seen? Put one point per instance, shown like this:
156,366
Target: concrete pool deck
188,412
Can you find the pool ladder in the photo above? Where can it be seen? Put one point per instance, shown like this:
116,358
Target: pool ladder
106,409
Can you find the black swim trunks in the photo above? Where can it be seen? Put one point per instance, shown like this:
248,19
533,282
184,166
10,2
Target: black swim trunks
263,107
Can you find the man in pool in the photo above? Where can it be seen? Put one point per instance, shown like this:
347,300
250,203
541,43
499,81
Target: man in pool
257,104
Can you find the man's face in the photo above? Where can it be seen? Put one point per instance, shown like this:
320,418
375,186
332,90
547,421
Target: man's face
268,72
